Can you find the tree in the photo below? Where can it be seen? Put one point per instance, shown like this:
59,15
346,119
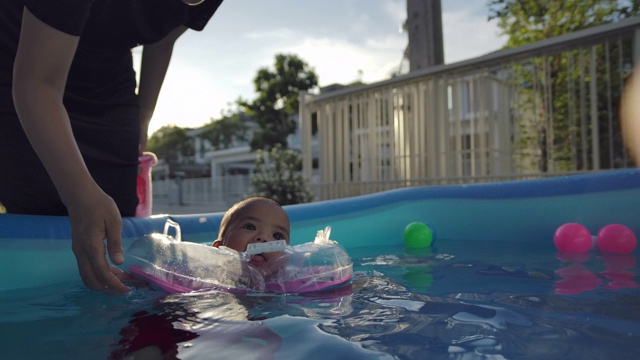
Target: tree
526,21
550,129
171,143
277,100
223,132
278,176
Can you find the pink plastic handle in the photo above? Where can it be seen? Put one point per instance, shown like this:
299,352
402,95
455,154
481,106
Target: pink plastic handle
143,189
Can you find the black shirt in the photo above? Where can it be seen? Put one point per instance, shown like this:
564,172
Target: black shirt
102,70
100,95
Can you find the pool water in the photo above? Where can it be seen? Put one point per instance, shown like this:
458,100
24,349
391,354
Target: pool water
459,300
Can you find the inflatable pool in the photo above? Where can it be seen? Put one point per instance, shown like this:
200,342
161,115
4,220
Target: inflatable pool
37,248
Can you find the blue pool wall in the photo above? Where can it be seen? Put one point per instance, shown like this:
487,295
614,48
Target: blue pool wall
527,211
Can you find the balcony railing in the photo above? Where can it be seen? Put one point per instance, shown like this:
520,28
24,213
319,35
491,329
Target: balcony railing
544,109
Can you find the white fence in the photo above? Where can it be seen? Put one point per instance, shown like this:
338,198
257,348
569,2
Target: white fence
216,193
219,193
546,108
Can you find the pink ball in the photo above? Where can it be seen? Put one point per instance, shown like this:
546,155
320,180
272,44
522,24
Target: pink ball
572,237
616,239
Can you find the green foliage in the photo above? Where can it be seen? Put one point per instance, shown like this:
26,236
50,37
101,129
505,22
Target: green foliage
278,176
552,133
171,143
221,133
525,21
277,100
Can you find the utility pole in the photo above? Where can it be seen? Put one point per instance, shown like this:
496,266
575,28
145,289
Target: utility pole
424,26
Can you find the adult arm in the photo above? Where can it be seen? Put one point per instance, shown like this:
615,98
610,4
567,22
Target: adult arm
153,68
630,115
40,72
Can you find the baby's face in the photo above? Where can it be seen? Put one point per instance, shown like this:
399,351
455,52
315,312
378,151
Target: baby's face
258,222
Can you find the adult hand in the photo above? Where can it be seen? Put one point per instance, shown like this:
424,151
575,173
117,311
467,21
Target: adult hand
94,219
42,63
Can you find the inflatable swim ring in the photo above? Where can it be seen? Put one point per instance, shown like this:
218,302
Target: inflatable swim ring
174,266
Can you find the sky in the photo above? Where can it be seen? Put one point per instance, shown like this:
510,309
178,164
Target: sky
342,40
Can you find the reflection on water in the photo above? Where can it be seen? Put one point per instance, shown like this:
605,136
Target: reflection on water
447,303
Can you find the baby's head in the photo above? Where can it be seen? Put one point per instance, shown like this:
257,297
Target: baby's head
254,220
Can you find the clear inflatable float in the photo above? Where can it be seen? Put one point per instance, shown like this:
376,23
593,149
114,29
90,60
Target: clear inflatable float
174,266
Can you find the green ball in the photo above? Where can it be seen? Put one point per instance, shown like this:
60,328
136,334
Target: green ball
417,235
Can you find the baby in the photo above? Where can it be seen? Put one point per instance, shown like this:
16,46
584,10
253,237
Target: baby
254,220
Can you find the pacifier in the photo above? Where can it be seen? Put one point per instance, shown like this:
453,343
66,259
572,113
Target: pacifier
266,247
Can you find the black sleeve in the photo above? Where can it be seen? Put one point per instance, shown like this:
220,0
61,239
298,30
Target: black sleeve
68,16
199,15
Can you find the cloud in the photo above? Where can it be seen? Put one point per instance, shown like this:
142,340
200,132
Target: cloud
468,34
190,97
215,67
275,34
339,60
396,10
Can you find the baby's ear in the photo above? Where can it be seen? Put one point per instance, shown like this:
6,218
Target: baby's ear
217,243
